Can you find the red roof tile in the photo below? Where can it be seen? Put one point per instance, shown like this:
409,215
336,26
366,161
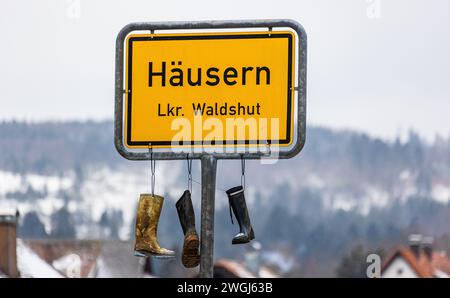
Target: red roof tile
421,264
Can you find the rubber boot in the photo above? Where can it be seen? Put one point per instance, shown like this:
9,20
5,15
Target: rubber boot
148,212
190,256
236,199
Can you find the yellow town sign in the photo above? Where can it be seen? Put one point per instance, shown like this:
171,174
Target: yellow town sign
240,82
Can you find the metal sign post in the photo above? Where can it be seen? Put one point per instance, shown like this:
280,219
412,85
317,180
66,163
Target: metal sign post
208,166
146,92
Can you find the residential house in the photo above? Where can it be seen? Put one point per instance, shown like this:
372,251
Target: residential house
419,260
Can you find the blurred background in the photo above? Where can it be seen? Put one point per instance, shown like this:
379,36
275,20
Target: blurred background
372,183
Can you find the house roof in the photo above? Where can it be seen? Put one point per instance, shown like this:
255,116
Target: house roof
31,265
97,258
116,259
441,262
55,251
424,266
233,268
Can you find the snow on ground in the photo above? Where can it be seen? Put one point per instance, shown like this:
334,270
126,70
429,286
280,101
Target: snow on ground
105,189
374,197
441,193
9,182
315,181
102,189
280,260
31,265
50,185
43,207
11,204
53,184
362,203
343,201
12,182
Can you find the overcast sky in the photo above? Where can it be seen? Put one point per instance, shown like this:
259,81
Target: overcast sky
376,71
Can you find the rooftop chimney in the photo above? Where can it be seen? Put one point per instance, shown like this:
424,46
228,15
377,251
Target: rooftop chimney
8,237
415,241
427,244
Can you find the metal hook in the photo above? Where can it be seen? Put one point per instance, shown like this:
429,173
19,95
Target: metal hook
242,171
189,168
153,169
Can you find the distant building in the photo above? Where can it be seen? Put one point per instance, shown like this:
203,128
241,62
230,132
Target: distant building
419,260
252,266
16,258
225,268
58,258
92,258
8,253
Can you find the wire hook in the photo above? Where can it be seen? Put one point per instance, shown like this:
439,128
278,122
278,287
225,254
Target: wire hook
242,171
189,168
153,169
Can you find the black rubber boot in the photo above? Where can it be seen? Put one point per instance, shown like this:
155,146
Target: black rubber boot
190,256
236,199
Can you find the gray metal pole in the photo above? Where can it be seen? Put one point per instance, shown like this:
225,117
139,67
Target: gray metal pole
209,167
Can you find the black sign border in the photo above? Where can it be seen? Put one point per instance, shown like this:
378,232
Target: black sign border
286,140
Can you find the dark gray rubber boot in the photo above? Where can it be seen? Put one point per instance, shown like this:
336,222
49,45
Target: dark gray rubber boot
236,199
190,256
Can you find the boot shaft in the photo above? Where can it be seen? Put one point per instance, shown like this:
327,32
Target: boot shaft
190,256
148,213
236,199
186,214
237,202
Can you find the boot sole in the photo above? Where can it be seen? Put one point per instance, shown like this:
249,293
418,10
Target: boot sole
241,241
244,240
145,254
191,257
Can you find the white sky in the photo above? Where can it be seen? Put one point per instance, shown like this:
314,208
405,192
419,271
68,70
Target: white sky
379,75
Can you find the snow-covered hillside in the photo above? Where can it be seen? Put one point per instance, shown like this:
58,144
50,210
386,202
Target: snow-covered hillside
343,187
104,189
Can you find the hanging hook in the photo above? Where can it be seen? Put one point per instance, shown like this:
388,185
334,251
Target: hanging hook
242,171
153,169
189,168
